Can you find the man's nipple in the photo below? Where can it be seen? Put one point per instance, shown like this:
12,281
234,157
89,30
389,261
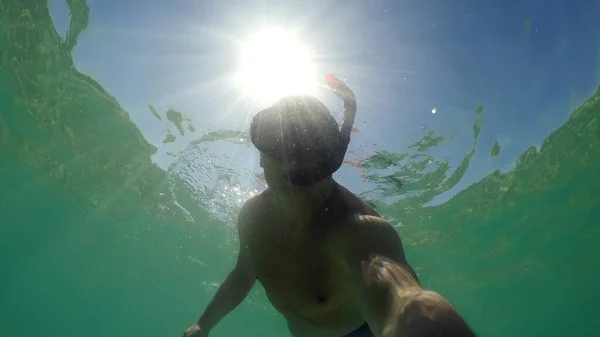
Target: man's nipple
321,299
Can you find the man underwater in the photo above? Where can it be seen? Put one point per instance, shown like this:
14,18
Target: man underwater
327,261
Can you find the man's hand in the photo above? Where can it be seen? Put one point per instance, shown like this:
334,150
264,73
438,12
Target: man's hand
195,331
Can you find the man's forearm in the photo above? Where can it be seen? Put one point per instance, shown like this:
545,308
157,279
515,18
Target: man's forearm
384,284
395,305
229,295
425,313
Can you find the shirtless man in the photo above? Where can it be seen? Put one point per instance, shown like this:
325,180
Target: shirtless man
328,262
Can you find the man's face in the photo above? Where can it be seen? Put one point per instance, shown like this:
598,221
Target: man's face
275,174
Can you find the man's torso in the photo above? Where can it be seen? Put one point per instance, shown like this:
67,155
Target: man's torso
302,277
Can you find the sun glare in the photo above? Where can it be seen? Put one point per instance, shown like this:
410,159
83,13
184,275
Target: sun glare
274,63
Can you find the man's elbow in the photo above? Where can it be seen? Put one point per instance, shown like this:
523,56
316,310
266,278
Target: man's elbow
386,272
242,277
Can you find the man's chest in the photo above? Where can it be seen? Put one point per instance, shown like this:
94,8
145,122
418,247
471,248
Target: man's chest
283,262
301,275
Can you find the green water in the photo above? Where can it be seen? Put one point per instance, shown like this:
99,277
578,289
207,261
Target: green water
93,241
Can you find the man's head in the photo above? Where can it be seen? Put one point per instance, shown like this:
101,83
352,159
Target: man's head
298,140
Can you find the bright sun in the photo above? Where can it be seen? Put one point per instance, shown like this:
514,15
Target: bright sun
274,63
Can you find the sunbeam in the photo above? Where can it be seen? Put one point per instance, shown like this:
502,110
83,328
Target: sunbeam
275,63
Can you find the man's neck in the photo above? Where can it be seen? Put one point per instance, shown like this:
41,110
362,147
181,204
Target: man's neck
301,203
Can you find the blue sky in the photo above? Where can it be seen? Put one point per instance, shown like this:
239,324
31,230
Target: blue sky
528,62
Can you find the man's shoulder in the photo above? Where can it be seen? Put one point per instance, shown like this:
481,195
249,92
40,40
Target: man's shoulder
364,225
363,235
353,204
253,208
256,201
352,212
361,226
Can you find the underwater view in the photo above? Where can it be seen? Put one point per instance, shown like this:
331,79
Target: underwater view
126,154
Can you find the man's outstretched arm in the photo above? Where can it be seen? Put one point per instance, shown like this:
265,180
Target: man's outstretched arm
392,300
233,290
